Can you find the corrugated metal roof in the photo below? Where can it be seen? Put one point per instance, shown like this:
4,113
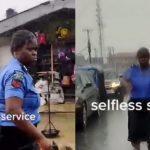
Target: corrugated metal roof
34,13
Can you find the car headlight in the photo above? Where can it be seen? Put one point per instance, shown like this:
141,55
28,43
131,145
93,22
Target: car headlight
115,84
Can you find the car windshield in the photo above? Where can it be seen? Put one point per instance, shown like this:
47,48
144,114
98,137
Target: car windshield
110,75
83,78
91,76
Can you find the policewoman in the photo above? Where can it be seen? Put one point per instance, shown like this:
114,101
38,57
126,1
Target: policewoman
19,101
137,82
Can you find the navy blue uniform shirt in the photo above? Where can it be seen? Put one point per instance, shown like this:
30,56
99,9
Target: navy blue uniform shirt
16,81
140,82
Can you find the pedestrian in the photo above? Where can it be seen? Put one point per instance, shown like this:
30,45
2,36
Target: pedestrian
19,101
137,82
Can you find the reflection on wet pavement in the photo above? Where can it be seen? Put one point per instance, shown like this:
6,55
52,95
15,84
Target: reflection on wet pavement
109,132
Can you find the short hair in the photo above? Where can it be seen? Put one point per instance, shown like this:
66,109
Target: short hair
143,52
21,38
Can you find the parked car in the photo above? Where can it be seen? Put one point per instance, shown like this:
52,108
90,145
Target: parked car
98,78
113,86
87,91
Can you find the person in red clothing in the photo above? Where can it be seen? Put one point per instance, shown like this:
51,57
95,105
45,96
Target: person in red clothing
41,38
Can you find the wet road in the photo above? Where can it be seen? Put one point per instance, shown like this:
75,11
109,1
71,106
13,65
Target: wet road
109,132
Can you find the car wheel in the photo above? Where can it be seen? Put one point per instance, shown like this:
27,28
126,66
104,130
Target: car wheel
83,117
97,113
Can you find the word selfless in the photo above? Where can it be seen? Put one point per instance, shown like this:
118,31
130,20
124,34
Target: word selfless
116,105
23,116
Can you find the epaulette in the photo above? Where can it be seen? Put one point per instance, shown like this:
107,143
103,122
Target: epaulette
24,68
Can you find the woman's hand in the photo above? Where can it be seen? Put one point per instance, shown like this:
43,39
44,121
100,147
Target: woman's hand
127,85
44,144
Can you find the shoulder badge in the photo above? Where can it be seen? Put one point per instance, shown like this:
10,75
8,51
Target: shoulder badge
17,79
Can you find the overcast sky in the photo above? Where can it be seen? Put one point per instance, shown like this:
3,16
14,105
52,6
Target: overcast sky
126,23
18,5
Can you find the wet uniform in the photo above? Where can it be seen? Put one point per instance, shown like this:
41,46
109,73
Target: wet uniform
15,81
139,121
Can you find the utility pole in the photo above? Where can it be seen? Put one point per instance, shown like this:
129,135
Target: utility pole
111,55
113,62
100,26
95,55
89,44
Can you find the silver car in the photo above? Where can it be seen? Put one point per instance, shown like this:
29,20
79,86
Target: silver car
86,93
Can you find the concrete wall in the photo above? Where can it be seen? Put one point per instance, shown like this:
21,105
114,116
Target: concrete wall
5,55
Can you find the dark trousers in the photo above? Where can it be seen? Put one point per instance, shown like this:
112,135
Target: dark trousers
11,138
139,124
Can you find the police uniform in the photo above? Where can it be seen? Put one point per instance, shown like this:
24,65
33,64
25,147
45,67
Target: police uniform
139,120
15,81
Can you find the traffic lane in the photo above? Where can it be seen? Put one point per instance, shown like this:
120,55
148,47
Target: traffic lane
109,132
